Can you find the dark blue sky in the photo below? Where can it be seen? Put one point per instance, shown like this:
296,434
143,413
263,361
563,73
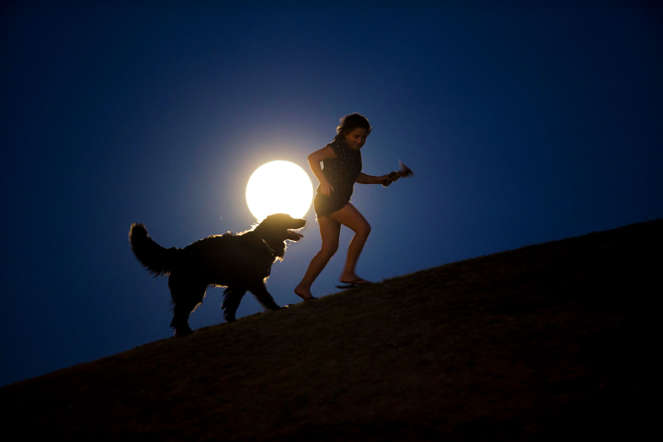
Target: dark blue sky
522,126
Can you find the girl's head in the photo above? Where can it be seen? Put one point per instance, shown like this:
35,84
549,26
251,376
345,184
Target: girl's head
354,129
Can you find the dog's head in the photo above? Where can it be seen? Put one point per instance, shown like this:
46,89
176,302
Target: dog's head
277,228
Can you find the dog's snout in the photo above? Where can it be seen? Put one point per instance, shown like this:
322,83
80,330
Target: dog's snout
298,223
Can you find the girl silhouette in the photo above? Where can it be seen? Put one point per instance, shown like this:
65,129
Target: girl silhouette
341,161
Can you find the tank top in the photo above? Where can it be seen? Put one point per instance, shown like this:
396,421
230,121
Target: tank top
342,171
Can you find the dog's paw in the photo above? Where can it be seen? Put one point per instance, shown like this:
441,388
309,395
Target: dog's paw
183,332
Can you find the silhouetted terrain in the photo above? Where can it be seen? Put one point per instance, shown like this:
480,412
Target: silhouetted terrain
546,342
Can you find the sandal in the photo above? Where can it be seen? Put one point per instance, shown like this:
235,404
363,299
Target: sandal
355,283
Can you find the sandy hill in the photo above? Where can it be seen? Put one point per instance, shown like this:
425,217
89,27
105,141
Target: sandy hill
539,343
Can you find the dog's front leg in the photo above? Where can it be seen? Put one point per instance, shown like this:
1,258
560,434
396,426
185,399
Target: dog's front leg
232,296
263,296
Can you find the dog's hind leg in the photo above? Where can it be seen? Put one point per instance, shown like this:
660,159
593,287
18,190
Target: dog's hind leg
232,296
263,296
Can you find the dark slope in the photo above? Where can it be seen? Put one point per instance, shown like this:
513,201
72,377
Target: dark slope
544,342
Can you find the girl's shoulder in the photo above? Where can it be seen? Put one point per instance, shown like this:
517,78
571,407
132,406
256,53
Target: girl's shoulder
339,147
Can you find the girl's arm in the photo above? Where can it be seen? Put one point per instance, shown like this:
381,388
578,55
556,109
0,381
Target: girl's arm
371,179
314,161
385,180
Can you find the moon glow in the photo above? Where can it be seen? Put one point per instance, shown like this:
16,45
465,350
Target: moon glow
279,187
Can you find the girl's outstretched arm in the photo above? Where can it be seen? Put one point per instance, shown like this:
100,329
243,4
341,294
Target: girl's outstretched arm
385,180
372,179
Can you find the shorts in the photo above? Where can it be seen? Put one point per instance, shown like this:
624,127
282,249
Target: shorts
325,205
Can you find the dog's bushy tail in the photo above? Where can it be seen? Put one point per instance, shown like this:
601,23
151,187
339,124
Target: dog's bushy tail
155,258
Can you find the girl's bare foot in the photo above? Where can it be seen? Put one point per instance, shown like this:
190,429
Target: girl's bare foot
304,293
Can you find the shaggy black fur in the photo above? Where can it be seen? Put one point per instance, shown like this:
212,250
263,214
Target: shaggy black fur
239,262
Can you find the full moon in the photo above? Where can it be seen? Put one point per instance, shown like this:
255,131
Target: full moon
279,187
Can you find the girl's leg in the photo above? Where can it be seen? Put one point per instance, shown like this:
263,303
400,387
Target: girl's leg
351,217
329,231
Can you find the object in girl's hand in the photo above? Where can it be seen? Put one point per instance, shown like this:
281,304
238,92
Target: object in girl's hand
403,172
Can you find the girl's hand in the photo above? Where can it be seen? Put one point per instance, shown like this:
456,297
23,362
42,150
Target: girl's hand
386,180
326,188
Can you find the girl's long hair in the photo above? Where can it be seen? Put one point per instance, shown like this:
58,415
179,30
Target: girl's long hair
349,123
